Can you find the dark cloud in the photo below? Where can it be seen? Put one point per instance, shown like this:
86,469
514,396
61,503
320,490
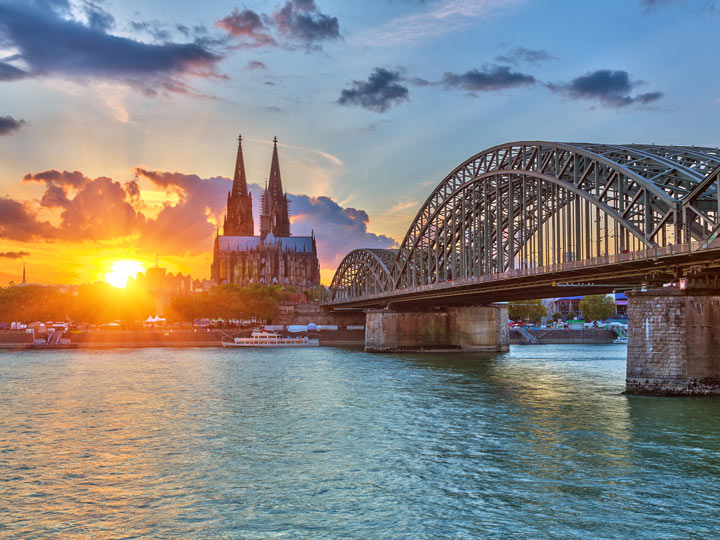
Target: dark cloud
19,222
418,81
57,184
97,16
8,72
51,43
255,64
338,230
648,97
521,55
14,254
490,78
73,179
247,26
197,31
155,29
297,23
8,124
378,93
610,88
185,222
651,6
103,209
99,209
301,21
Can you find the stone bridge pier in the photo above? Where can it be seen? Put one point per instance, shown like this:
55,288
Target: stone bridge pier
674,342
462,329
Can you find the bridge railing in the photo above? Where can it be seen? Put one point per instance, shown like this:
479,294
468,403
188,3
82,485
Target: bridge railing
652,254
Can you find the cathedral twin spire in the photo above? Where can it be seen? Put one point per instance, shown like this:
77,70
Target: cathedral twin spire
239,220
275,217
239,180
274,212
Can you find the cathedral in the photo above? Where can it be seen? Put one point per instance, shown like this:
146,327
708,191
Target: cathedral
274,257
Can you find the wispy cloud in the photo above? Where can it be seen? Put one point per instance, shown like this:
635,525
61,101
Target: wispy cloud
13,254
521,55
405,206
253,65
445,17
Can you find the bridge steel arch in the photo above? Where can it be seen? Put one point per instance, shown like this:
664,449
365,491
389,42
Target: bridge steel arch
532,204
363,272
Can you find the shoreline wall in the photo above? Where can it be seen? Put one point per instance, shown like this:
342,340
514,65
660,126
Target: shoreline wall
557,336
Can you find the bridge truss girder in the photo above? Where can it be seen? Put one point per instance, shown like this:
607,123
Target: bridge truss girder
535,204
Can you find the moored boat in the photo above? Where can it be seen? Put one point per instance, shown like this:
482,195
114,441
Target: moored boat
263,338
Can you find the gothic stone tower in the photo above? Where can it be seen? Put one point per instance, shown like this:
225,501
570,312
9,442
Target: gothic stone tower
239,219
275,215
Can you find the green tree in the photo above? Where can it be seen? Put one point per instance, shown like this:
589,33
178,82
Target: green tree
597,307
557,316
526,310
229,302
572,316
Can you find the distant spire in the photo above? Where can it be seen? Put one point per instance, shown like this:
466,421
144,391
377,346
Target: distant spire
23,273
275,185
239,180
156,260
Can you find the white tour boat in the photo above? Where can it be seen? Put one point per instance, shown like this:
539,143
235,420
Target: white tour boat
621,340
263,338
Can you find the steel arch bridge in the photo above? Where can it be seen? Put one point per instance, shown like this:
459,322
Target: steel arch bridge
536,208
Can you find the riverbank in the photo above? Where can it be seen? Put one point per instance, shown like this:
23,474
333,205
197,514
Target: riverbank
564,336
100,339
110,339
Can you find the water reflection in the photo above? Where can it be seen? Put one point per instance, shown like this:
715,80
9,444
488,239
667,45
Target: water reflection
534,443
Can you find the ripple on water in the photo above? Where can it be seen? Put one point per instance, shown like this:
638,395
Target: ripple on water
336,443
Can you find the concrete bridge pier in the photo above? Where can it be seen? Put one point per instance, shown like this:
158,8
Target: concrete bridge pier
674,342
462,329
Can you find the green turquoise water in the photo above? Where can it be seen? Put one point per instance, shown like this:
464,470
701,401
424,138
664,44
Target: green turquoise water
336,443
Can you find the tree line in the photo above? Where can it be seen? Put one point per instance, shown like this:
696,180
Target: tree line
99,303
594,307
229,302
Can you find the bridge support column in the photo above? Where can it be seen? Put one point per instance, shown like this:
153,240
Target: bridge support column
674,342
464,329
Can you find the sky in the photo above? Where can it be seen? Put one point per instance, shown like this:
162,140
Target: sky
119,118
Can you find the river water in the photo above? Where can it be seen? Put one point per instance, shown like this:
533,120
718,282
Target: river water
336,443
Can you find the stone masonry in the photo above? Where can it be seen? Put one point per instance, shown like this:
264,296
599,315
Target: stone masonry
674,343
464,329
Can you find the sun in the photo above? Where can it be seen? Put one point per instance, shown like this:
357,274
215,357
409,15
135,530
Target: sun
120,271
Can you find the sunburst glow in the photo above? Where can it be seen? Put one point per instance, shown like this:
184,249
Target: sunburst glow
120,271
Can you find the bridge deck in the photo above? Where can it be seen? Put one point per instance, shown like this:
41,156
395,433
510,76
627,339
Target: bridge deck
589,276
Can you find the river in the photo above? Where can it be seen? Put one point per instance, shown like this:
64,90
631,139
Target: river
336,443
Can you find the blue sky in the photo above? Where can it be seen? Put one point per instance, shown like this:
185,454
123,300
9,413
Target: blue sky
373,103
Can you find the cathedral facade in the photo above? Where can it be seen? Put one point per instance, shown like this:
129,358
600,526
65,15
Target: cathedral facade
273,258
